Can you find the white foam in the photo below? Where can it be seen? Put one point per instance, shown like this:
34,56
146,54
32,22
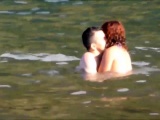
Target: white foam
49,72
5,86
59,57
140,63
3,61
20,2
148,56
86,102
141,48
61,63
46,57
23,13
145,70
148,48
27,74
123,90
55,1
146,42
79,93
76,51
35,9
153,113
78,3
141,81
43,12
20,56
154,48
6,12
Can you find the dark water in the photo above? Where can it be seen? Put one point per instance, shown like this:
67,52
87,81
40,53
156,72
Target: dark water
40,46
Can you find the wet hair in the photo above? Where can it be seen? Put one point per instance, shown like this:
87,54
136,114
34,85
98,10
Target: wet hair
114,33
87,35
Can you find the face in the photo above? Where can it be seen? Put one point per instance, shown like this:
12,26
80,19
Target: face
99,40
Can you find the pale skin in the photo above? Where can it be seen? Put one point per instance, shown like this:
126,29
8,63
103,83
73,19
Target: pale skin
115,59
90,59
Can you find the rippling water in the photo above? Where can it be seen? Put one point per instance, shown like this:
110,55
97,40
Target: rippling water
40,47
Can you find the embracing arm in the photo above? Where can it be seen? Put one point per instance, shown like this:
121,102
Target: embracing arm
106,62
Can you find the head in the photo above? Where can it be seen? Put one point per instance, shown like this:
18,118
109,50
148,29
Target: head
115,33
93,38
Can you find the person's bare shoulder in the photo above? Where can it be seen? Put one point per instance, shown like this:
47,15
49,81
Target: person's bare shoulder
110,52
88,63
88,55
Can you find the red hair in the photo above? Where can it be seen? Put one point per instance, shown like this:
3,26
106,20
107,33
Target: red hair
115,34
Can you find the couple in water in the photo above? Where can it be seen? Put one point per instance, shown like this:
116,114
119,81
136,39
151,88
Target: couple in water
106,50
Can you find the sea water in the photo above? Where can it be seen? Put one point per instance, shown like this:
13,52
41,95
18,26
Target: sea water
40,47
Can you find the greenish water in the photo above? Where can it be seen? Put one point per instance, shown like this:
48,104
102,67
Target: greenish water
40,43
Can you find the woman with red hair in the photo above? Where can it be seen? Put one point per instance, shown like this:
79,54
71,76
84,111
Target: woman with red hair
115,57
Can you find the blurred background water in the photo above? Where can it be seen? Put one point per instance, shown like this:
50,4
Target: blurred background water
40,46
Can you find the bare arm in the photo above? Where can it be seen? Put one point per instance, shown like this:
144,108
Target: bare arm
106,62
89,63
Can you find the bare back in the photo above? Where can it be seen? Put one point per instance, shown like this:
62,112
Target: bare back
115,59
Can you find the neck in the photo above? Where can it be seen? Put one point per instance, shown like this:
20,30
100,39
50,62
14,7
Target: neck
95,52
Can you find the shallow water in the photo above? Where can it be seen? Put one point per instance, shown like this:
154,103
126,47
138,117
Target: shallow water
40,46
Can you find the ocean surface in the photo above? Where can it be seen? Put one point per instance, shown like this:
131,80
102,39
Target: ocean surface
40,47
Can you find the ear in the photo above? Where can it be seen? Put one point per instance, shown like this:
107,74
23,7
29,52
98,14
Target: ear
93,46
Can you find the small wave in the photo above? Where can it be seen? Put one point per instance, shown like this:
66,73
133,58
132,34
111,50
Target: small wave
140,63
145,70
40,56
